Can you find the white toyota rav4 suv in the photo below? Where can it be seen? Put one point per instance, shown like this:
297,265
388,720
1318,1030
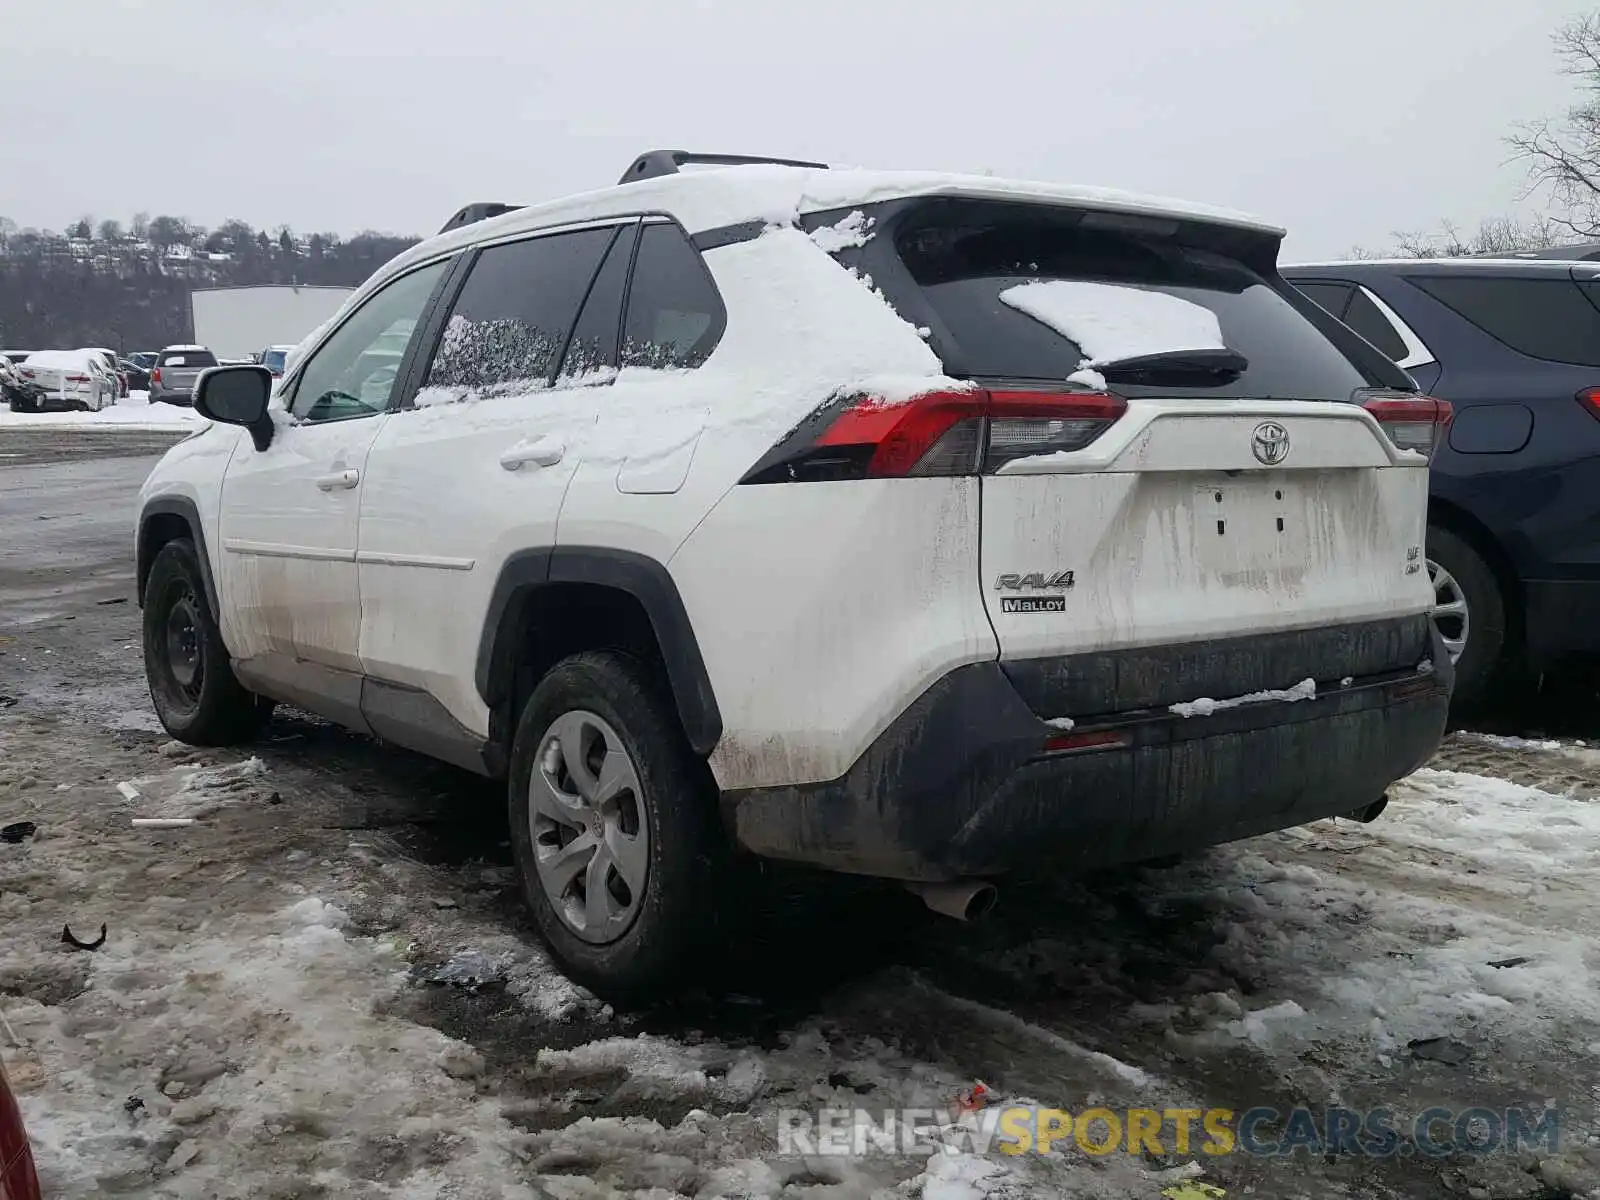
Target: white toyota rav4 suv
924,527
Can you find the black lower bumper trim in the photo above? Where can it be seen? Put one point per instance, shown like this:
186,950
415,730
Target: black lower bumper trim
962,784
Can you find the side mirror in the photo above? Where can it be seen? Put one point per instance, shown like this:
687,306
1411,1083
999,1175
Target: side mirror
237,396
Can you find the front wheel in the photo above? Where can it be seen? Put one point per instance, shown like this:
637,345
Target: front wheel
196,694
614,826
1468,611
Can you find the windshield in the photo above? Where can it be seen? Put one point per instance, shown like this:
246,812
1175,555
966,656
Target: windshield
273,359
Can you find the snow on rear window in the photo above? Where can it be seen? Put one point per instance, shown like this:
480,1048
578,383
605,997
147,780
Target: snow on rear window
1110,322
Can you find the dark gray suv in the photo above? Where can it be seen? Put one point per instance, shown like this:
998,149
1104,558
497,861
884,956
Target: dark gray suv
177,367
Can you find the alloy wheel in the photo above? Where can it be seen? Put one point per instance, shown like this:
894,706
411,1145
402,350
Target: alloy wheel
1450,615
591,838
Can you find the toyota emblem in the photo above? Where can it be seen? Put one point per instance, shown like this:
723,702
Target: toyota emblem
1270,443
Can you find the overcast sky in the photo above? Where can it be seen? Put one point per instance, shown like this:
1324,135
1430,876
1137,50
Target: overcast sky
1342,121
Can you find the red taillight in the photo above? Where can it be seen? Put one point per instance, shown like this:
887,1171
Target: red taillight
77,379
1412,422
1590,399
155,374
1063,743
939,433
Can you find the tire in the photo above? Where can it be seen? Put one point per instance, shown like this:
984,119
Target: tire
1469,604
196,694
658,929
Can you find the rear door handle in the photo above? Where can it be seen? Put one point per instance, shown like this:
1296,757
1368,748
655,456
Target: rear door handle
347,478
542,452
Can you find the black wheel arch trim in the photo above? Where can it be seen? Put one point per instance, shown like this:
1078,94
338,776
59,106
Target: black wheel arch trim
646,580
145,555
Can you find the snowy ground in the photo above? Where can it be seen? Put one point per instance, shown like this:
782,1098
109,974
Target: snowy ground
259,1021
133,410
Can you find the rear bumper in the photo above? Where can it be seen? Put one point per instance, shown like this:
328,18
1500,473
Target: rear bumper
169,396
963,784
1563,617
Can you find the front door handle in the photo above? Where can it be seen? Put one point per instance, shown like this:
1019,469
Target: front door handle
542,452
347,478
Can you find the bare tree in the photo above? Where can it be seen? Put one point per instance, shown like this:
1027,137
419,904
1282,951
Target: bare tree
1563,155
110,231
1494,235
165,232
141,225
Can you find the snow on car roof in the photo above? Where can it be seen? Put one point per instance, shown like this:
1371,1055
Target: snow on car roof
191,349
68,359
711,199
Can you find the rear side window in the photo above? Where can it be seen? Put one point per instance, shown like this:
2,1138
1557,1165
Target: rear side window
1542,318
965,258
1366,319
1332,296
511,319
675,316
187,358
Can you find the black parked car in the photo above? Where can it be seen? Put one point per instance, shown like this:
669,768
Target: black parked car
138,376
1514,512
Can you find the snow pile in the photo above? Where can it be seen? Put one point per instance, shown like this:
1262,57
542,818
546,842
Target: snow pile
132,411
1501,742
1306,689
1110,322
195,791
848,233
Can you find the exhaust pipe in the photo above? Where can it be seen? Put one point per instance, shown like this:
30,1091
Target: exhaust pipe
1371,812
963,899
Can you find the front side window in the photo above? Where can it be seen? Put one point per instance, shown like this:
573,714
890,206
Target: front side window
510,322
354,373
675,315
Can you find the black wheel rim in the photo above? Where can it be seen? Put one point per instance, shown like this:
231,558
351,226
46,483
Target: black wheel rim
182,647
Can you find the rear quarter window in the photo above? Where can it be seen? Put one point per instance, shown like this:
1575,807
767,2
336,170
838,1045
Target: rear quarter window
1542,318
964,259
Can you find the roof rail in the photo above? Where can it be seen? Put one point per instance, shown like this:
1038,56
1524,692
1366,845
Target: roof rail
654,163
473,213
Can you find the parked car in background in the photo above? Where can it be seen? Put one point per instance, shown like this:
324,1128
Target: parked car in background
138,376
176,368
1514,513
113,364
1183,590
273,359
143,359
64,379
19,1180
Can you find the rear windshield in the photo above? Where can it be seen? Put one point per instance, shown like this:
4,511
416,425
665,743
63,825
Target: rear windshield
1031,294
187,358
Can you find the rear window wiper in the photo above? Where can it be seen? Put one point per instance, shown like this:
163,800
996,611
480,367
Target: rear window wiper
1221,365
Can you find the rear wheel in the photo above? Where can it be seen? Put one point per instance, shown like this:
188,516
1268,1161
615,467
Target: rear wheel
1469,612
613,825
192,684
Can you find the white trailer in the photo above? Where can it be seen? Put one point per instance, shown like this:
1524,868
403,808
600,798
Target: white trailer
238,322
